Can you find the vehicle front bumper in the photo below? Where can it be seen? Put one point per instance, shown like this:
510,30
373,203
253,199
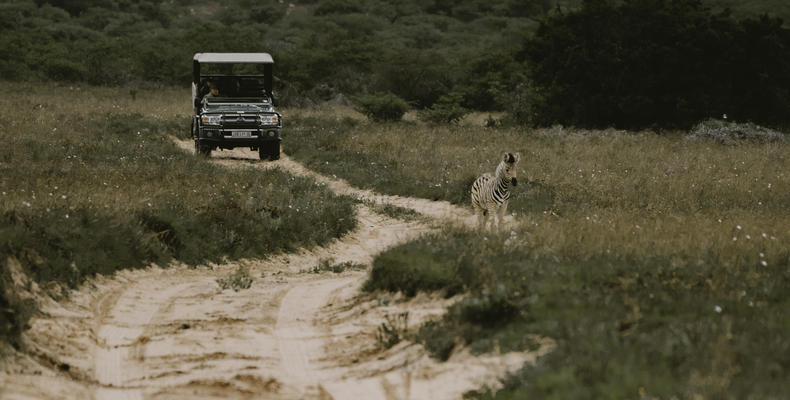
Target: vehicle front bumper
238,137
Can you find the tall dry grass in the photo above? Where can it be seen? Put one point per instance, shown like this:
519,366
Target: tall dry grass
658,264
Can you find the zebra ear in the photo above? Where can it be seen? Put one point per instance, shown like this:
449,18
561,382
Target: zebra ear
506,158
518,157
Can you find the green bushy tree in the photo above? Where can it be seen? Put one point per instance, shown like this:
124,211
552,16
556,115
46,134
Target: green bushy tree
382,107
655,62
447,110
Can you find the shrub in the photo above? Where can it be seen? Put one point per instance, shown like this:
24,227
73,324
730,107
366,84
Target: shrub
237,280
726,132
447,110
382,107
64,70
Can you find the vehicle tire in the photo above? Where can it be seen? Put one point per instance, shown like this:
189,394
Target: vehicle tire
202,149
269,151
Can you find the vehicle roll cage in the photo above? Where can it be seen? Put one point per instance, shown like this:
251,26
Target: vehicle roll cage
198,78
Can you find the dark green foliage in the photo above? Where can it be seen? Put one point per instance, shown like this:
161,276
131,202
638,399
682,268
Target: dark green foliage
418,76
644,62
338,7
622,326
382,107
447,110
417,50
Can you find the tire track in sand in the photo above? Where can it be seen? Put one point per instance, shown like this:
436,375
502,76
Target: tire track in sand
173,333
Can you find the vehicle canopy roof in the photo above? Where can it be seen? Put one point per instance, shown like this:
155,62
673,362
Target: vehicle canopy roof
230,58
263,59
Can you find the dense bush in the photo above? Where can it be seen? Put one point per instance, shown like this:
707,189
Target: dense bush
733,133
382,107
447,110
644,62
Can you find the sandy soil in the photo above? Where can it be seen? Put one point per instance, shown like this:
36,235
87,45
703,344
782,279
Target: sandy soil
174,333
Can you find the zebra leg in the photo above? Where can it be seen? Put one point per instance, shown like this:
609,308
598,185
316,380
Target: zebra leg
481,218
500,214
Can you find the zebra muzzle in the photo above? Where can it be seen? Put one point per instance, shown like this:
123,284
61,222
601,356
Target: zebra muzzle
514,181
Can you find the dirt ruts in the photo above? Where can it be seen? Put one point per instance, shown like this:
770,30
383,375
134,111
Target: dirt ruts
173,333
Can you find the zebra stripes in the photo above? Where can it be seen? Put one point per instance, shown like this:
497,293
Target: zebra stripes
490,194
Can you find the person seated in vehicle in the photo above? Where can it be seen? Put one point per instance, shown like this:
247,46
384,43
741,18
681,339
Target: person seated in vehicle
213,90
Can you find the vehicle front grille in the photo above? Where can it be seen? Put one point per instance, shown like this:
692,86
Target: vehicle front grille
239,121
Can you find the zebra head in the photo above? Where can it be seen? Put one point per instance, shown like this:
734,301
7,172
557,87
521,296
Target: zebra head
509,167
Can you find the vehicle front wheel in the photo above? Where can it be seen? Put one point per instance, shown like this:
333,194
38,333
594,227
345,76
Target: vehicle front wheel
269,151
202,149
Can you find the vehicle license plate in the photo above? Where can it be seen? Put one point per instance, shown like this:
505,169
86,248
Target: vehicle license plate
241,134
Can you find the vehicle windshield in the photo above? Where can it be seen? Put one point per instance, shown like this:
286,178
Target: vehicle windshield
233,107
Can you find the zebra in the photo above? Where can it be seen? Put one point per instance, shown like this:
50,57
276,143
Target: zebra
491,193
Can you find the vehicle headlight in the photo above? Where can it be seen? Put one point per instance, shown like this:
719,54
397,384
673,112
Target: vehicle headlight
269,119
211,119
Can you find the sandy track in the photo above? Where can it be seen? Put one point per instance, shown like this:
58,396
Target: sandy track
173,333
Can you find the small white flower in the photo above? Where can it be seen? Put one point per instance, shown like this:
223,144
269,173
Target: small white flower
738,227
764,263
717,309
735,239
748,237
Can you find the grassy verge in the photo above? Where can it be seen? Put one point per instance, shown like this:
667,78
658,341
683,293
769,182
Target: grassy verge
92,183
658,264
563,171
681,321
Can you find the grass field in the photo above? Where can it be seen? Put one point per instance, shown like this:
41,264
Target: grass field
658,264
91,182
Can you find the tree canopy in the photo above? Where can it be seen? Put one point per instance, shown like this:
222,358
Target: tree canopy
631,61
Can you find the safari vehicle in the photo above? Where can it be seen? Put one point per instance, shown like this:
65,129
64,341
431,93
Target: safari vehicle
242,113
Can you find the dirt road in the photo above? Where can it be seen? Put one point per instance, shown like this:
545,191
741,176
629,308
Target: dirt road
174,333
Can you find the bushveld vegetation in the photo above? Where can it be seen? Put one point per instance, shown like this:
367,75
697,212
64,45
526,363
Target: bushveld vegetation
91,183
656,261
656,63
632,63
